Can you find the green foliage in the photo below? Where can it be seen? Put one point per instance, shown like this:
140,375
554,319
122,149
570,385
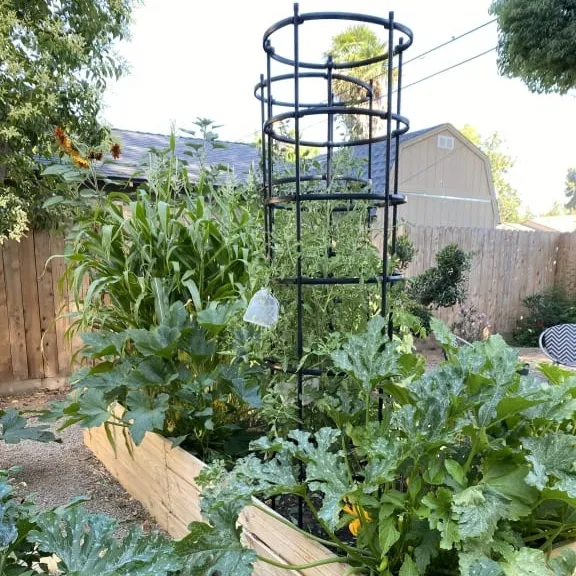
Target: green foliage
84,544
443,285
543,310
570,189
536,43
57,57
177,379
509,202
14,428
167,278
470,471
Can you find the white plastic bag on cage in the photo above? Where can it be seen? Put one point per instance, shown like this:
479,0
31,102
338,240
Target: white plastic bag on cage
262,309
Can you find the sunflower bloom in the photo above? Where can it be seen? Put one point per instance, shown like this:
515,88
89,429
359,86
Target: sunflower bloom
356,524
80,162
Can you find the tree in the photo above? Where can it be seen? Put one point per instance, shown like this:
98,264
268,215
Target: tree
537,42
56,57
570,189
509,203
557,209
359,42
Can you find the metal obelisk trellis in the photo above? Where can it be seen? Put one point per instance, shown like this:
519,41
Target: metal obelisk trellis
383,195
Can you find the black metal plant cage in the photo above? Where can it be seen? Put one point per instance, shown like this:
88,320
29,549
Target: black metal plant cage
385,195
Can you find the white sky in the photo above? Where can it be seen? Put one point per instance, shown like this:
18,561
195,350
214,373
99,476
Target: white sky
193,58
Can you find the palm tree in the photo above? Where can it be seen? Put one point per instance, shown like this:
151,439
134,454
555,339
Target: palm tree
359,42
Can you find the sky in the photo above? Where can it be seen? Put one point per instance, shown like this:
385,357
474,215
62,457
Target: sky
192,58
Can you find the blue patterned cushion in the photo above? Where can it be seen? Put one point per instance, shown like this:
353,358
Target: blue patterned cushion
559,342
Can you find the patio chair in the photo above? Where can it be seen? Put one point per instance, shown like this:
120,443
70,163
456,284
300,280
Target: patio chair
559,344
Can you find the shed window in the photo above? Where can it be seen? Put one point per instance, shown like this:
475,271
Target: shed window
445,142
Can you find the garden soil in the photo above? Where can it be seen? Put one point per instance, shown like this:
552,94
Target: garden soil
56,473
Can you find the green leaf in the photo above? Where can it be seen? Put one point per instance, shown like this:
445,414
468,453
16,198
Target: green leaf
409,567
194,294
552,458
525,562
509,479
478,510
388,535
145,414
437,508
14,428
485,567
216,316
97,551
93,408
442,333
368,357
456,471
103,343
564,564
216,549
160,341
161,299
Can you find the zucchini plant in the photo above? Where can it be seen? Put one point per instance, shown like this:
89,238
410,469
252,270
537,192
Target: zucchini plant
471,470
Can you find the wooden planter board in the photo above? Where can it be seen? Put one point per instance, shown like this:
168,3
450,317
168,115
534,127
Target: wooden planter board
162,479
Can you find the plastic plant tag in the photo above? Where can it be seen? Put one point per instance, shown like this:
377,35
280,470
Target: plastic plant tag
262,309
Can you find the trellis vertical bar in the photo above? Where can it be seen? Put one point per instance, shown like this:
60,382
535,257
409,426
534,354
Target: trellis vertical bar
330,95
267,208
264,168
396,163
298,207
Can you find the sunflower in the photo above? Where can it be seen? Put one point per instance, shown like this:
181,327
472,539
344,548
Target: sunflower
80,162
64,141
358,514
115,151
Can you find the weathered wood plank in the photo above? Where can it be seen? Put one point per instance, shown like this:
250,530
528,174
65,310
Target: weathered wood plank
5,353
61,306
31,306
162,478
46,303
17,333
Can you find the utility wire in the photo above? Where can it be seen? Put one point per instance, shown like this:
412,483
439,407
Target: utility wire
445,70
449,41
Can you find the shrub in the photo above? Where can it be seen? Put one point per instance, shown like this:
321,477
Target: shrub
543,310
470,324
443,285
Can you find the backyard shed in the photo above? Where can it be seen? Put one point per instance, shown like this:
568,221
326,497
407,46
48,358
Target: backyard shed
447,180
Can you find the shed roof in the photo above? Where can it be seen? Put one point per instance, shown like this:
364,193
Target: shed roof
135,146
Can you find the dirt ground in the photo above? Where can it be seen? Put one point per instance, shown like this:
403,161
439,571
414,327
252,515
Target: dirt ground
56,473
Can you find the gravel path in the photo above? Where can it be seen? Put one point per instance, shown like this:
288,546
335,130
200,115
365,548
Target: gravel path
56,473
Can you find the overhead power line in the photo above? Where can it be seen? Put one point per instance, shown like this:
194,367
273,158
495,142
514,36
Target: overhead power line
449,68
450,41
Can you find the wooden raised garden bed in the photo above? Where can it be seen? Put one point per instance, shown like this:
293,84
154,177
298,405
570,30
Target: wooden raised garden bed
162,479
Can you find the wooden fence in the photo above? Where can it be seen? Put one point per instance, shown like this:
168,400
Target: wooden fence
34,352
507,266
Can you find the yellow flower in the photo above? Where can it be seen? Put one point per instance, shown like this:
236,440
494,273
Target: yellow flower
80,162
219,404
356,524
